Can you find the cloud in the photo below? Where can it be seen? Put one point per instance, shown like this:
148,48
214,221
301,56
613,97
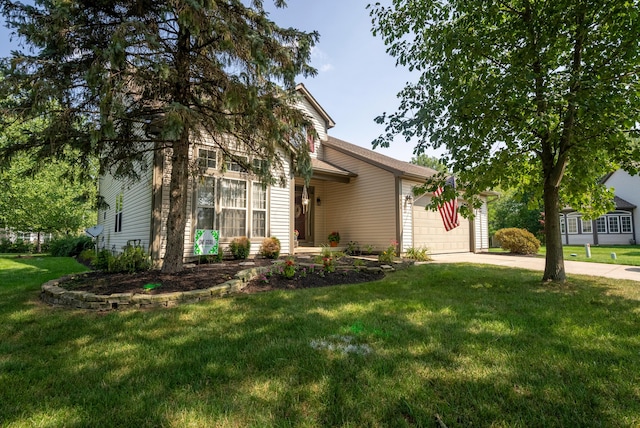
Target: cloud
318,56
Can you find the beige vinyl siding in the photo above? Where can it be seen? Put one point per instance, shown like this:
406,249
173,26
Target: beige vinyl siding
319,125
136,212
429,232
279,214
407,214
481,228
363,210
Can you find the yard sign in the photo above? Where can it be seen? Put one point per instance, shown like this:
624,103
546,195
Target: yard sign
206,242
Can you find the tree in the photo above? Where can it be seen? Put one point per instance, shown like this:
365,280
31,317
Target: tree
47,201
429,162
514,209
538,94
118,79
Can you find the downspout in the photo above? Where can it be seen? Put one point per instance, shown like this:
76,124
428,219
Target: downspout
399,236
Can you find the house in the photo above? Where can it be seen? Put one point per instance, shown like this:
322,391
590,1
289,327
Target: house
617,227
364,195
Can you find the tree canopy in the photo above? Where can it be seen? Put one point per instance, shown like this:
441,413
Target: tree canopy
536,94
116,79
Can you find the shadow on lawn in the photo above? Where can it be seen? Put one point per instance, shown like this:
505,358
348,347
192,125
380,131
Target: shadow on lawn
475,345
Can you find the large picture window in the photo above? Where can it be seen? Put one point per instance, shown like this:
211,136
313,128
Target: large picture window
206,204
233,204
259,210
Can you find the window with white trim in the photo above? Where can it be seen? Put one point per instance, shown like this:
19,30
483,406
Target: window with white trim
572,225
587,226
563,230
259,210
235,166
601,225
119,208
625,224
233,207
614,224
207,159
206,203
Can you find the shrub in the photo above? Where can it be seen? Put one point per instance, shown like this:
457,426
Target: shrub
418,254
289,269
19,246
240,248
388,255
270,248
518,241
87,257
103,260
132,259
70,246
353,248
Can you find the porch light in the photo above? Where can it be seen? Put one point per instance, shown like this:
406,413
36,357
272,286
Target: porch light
408,200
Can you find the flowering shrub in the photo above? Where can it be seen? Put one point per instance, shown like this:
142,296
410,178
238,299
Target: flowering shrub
289,269
389,254
328,264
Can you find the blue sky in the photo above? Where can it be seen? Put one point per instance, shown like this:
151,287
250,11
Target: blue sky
356,81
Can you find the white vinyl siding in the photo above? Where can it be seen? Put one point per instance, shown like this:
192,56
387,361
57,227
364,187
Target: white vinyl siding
406,207
481,227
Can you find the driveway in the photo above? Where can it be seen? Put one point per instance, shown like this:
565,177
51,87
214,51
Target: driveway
537,263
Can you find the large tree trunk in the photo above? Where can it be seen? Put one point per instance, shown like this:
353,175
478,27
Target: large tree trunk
177,219
554,265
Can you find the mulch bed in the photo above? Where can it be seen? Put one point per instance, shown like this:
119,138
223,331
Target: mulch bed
208,275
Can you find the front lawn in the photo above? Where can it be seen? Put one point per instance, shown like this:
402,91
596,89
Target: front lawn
625,254
472,345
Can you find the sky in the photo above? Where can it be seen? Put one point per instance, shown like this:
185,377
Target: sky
356,81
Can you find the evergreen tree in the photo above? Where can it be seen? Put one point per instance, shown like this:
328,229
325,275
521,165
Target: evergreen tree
118,79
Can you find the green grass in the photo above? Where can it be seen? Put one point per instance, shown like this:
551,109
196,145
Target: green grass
476,345
625,254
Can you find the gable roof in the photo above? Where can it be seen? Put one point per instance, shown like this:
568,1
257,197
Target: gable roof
621,204
397,167
316,105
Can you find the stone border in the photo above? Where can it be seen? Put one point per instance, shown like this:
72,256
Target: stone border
53,294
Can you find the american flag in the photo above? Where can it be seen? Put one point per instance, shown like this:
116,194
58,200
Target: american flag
449,209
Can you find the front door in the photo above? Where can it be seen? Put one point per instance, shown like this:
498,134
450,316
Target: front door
303,217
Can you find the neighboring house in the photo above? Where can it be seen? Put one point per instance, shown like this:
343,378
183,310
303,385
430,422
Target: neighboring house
614,228
364,195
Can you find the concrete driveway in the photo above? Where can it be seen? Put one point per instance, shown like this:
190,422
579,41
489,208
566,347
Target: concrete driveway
537,263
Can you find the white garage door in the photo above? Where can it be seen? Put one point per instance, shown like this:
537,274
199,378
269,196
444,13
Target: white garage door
429,232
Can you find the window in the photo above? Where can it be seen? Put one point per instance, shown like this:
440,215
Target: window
614,224
625,223
562,228
587,226
259,210
260,165
205,204
207,158
233,203
601,225
572,225
119,207
235,166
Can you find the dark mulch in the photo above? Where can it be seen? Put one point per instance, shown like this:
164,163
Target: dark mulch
209,275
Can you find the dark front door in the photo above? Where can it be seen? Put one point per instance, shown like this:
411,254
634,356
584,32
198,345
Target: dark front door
302,218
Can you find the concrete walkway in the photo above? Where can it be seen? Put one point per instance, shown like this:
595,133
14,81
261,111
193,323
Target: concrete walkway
537,263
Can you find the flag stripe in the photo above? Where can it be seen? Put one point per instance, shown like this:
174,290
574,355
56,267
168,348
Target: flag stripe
449,209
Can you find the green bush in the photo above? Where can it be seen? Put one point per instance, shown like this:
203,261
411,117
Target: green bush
270,248
388,255
418,254
132,259
87,257
70,246
240,248
518,241
19,246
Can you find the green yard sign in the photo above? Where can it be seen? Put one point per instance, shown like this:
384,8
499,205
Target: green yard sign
206,242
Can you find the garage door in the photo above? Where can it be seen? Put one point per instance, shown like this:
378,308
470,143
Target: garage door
429,232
